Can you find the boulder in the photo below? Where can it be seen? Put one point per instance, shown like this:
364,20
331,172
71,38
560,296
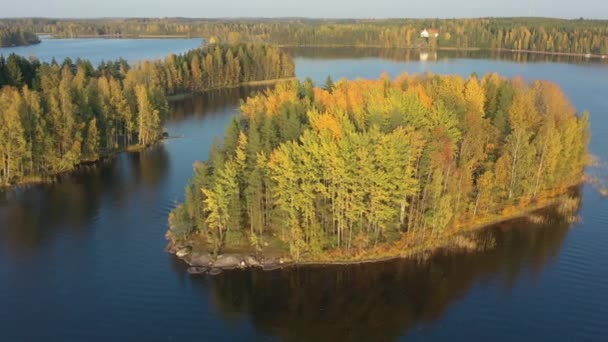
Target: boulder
200,260
227,262
252,261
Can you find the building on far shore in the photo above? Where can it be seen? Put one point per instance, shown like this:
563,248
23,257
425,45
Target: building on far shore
429,33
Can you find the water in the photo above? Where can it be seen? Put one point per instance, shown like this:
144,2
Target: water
83,259
97,50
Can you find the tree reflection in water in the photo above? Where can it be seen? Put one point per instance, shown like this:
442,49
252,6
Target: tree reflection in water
382,301
31,216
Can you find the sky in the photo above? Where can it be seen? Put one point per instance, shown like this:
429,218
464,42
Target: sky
597,9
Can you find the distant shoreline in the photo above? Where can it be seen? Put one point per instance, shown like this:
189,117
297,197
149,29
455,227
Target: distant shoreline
20,45
414,48
568,54
113,36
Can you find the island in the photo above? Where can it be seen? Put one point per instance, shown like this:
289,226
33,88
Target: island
17,37
55,117
368,170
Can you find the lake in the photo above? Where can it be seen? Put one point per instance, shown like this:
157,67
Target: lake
98,50
83,259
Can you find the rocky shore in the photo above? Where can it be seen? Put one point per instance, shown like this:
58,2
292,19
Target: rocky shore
206,263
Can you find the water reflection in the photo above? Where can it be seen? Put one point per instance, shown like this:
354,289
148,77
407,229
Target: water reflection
213,102
149,167
32,215
386,300
408,55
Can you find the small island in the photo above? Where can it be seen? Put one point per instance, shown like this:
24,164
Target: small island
17,37
373,169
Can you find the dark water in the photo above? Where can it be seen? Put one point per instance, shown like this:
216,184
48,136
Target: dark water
83,259
97,50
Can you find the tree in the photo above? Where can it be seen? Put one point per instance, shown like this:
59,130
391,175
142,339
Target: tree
148,117
12,138
91,146
474,96
329,84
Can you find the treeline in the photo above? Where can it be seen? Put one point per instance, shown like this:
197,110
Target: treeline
363,162
16,37
536,34
55,116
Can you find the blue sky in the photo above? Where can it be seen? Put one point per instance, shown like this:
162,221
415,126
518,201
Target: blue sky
304,8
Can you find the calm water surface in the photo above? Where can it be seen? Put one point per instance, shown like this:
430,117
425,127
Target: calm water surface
97,50
83,259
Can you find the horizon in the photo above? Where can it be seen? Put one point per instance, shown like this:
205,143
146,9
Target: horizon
313,9
299,18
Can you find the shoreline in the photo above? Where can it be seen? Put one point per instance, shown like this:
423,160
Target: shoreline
187,95
205,263
20,45
140,37
52,178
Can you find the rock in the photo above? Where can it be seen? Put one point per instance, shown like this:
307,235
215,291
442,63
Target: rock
197,270
215,271
227,262
252,261
200,260
183,252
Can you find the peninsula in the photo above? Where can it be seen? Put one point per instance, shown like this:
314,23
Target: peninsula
10,36
55,117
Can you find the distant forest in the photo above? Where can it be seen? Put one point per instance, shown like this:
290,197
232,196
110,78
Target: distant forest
54,116
15,37
535,34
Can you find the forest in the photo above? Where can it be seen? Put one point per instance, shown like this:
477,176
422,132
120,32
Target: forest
535,34
15,37
55,116
354,165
